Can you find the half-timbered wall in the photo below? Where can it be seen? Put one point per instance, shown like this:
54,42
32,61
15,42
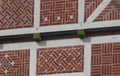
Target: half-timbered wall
96,54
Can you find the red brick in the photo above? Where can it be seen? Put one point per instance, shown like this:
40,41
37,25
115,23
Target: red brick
111,12
108,59
90,7
106,48
96,71
116,47
116,69
96,49
60,60
14,63
116,58
19,17
52,9
106,70
96,59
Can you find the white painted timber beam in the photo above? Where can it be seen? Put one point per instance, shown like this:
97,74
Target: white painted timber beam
87,59
66,27
33,61
81,11
36,13
103,24
60,42
97,11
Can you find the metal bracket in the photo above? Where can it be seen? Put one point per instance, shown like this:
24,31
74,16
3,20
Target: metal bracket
36,36
81,33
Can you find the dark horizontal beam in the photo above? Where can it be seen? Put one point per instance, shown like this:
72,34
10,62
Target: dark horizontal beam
104,29
39,36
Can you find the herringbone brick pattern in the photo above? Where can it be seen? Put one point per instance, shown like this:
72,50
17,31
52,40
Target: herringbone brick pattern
90,6
60,60
14,63
111,12
105,59
16,13
56,12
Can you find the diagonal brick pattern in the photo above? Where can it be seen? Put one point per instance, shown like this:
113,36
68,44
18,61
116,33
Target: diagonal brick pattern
111,12
90,6
16,14
105,59
56,12
14,63
60,60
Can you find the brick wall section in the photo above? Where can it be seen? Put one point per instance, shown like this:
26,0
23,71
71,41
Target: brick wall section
14,63
56,12
60,60
111,12
90,6
105,59
16,14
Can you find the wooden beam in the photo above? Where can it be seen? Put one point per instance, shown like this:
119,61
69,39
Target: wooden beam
97,11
